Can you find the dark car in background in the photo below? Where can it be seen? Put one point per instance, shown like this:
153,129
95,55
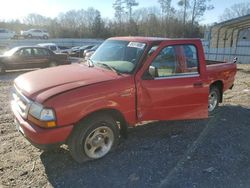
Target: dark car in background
65,49
78,51
30,57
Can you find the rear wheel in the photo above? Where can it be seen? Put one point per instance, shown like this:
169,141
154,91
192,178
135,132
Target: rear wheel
53,64
213,99
93,138
29,36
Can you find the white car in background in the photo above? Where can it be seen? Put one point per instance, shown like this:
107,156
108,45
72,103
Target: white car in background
52,46
35,33
7,34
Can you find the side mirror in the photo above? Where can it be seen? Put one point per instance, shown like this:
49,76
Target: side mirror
152,71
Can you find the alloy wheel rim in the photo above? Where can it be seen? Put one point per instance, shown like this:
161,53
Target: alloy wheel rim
212,101
99,142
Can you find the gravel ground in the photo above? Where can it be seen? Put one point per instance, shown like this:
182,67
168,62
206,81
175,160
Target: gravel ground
204,153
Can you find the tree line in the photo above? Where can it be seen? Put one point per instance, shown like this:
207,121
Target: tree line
165,20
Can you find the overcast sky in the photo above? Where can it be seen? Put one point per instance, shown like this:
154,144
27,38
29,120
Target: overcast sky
18,9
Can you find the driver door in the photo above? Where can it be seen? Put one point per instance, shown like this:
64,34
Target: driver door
171,86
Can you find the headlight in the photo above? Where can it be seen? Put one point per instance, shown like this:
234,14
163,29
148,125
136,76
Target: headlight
47,115
35,110
41,116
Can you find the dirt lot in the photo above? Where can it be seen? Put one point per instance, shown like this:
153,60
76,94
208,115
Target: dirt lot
204,153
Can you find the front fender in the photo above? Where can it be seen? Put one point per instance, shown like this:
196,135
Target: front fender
74,105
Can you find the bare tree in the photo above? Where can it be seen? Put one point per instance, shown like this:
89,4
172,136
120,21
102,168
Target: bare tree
198,8
142,14
119,10
36,19
185,4
130,4
79,22
166,8
147,21
236,10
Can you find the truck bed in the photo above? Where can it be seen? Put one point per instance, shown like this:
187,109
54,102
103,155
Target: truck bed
224,71
212,62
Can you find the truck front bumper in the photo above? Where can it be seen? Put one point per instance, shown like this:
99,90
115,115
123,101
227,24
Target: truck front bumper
41,136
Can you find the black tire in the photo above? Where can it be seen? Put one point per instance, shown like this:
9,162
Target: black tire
2,69
29,36
213,104
78,141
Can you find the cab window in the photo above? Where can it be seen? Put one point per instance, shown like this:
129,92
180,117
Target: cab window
176,60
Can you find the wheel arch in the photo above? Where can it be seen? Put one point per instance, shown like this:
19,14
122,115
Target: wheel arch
219,85
114,113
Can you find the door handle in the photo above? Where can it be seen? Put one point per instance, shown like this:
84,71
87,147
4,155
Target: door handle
198,84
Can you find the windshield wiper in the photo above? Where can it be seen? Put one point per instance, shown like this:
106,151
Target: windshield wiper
109,67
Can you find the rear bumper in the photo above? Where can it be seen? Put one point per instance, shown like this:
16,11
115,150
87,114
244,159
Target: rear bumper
40,136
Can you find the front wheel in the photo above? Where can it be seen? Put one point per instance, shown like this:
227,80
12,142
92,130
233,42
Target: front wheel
213,100
93,138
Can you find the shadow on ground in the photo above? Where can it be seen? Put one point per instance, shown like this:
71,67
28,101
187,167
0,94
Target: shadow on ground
204,153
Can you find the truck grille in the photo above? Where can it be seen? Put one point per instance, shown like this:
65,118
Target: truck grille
20,102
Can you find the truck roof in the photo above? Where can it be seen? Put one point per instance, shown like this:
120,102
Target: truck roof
149,39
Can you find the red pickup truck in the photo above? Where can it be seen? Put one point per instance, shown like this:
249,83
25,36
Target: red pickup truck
128,80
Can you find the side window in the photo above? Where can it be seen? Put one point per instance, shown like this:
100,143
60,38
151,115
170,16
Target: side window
165,62
25,52
152,50
177,60
191,58
45,52
40,52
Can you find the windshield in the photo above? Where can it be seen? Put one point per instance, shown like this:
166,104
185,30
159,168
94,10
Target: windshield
11,52
120,55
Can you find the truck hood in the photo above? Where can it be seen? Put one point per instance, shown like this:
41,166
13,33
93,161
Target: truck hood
44,83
